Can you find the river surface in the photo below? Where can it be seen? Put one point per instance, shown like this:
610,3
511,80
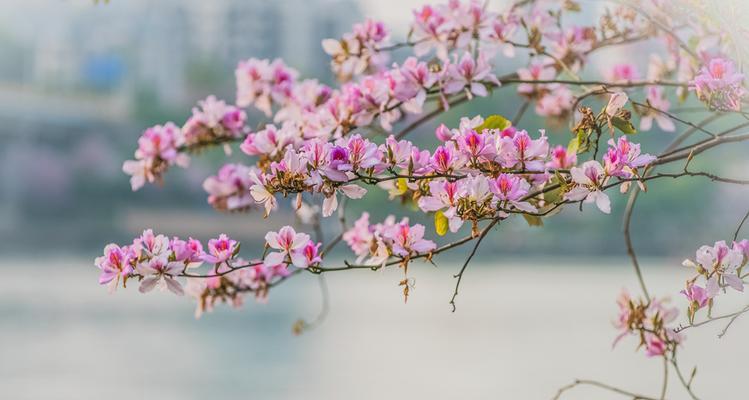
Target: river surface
521,331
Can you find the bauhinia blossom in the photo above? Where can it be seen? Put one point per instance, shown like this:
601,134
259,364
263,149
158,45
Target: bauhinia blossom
649,321
288,243
589,179
719,266
157,151
719,85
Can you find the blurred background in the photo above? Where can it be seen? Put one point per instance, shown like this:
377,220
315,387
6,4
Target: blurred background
79,81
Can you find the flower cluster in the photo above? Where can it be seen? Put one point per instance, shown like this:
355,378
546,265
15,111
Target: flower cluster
480,170
157,151
375,244
719,85
157,261
162,146
315,146
358,50
292,248
552,99
649,322
309,110
624,72
260,83
455,25
622,160
229,189
214,120
658,105
154,259
718,266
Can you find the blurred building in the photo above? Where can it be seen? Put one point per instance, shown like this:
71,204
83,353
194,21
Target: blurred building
132,44
79,80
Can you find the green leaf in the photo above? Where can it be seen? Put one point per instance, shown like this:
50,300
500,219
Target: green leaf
553,196
494,122
583,140
573,145
533,220
440,223
623,125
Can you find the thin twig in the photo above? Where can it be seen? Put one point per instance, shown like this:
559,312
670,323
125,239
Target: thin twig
664,388
581,382
521,111
738,229
459,275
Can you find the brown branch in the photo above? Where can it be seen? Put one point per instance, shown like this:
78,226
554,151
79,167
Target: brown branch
738,228
588,382
625,84
459,275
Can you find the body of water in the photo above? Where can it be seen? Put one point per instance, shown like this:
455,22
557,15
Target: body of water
520,331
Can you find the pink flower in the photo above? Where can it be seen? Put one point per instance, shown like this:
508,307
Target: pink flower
431,30
220,250
158,148
475,145
530,153
330,204
742,247
260,83
359,237
150,245
721,263
616,103
354,153
230,188
446,159
535,72
511,189
412,80
561,158
613,163
291,165
444,195
190,252
657,100
213,118
575,41
719,85
624,158
397,153
371,32
476,189
589,178
139,171
159,141
260,193
287,241
270,141
624,72
654,346
556,102
696,295
647,320
116,264
358,50
308,255
501,32
443,133
469,74
160,269
408,240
